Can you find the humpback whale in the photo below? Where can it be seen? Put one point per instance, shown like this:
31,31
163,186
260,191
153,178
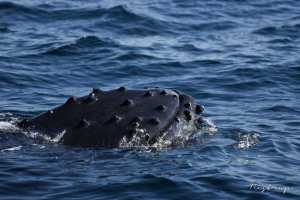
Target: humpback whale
106,118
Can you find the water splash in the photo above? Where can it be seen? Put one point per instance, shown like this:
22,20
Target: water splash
7,127
187,133
138,140
8,123
208,126
16,148
40,136
247,140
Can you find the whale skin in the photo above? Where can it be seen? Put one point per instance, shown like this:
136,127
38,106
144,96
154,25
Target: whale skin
105,118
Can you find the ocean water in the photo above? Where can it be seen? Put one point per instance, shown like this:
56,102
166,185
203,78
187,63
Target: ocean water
240,59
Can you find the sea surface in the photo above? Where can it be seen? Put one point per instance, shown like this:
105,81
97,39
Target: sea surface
240,59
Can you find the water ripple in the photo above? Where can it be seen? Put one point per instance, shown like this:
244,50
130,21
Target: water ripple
291,31
239,59
79,46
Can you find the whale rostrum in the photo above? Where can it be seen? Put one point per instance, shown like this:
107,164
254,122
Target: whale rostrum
104,118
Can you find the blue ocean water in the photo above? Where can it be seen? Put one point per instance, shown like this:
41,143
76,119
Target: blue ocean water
240,59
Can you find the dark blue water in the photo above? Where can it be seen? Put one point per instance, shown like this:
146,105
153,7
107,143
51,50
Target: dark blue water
241,59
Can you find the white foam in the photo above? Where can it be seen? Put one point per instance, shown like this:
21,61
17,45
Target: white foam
16,148
8,126
34,135
248,140
58,137
185,132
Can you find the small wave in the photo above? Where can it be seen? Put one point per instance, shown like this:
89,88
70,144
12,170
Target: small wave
207,62
249,85
4,28
281,109
266,30
16,148
70,13
21,12
134,56
5,6
216,26
127,22
117,12
140,31
122,13
293,123
114,15
156,184
187,47
249,72
250,58
284,30
18,11
80,45
280,41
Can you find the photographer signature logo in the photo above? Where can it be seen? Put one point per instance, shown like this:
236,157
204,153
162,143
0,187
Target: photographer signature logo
269,187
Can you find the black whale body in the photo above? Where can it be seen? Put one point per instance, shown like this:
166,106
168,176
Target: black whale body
104,118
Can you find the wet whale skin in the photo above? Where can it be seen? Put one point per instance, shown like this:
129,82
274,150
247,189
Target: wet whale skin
104,118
